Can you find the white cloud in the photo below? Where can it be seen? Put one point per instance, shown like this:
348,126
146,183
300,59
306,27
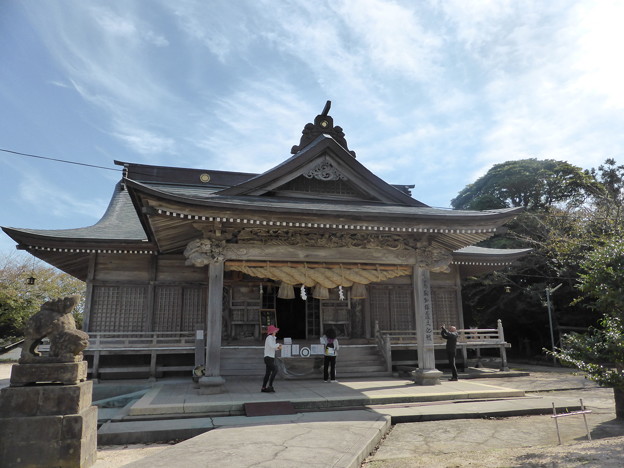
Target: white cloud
145,142
435,90
42,196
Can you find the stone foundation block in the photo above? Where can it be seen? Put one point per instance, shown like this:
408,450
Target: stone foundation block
66,373
45,400
48,426
49,441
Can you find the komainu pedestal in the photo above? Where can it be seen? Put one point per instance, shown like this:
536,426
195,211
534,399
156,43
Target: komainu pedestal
46,415
45,425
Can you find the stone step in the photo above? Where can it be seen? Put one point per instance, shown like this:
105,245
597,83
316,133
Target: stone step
354,361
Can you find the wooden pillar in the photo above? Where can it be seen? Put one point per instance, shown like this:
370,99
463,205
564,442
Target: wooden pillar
86,320
212,382
151,294
426,374
460,311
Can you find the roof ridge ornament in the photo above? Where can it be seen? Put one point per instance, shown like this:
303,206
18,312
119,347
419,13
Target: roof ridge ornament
323,124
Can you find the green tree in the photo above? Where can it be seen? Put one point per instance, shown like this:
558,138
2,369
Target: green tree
19,300
600,352
554,193
529,183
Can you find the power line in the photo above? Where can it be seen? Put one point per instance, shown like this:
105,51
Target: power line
60,160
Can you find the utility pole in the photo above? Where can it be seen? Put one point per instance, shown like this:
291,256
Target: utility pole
549,291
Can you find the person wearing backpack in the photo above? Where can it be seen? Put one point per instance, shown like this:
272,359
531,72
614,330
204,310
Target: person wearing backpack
330,343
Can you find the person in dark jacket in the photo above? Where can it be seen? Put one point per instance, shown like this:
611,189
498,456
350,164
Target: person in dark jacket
451,336
330,343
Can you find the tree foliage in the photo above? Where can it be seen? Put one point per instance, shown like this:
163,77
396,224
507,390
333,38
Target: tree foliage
562,232
599,352
529,183
574,224
602,277
19,300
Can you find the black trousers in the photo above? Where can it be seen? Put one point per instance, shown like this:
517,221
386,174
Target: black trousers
451,359
329,368
271,371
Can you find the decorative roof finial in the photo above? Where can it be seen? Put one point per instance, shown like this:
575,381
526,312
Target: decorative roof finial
323,124
326,109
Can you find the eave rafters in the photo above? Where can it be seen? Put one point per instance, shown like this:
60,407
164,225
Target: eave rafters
175,226
422,227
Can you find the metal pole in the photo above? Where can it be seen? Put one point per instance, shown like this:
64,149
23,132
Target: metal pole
552,335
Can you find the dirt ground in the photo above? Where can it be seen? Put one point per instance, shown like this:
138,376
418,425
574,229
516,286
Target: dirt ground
603,453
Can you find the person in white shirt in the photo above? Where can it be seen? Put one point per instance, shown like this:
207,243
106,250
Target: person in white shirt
330,343
270,346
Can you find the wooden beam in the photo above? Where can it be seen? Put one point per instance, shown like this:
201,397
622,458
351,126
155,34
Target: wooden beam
346,266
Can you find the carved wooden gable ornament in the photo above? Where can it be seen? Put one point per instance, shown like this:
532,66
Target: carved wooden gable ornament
322,167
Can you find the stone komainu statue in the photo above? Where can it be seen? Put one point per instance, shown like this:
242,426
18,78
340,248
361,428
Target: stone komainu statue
56,322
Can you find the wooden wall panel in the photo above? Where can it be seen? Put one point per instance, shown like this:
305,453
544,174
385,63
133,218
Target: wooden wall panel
122,267
172,268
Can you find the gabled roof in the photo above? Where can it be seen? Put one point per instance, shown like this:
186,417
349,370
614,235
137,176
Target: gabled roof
326,160
322,187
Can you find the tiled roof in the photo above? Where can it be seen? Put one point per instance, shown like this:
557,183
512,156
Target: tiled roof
120,223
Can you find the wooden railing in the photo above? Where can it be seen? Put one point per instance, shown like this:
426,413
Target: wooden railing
140,340
145,343
384,345
469,338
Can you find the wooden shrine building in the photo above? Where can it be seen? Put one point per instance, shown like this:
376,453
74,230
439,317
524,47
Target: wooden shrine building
318,241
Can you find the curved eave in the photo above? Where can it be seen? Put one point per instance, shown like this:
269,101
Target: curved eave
475,261
118,231
171,218
341,209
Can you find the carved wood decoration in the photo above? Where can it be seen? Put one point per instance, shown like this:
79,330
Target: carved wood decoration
329,239
434,259
324,171
202,252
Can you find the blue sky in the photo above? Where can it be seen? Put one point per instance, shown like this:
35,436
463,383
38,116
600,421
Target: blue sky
431,93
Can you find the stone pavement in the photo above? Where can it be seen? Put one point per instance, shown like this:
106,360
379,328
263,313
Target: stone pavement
324,436
340,424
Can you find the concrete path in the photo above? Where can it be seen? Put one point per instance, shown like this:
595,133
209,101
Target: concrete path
331,439
322,438
340,424
183,398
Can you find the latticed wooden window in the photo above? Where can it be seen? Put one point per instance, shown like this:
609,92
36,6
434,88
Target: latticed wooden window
401,308
168,308
392,307
178,308
118,308
194,310
445,310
